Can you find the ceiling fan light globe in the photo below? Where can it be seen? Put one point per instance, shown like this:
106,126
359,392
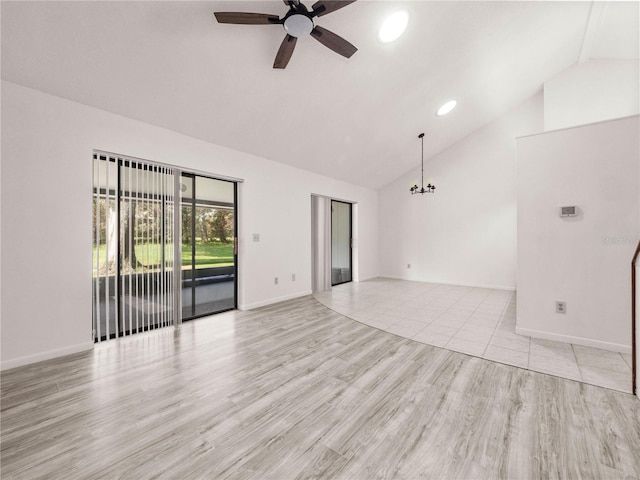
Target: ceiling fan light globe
298,25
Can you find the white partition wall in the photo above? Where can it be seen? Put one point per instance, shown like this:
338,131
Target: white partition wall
583,260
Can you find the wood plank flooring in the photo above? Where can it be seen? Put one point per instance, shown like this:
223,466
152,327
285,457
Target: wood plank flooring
295,391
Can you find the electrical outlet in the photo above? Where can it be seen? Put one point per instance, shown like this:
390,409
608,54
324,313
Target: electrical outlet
275,281
293,277
408,265
256,237
561,307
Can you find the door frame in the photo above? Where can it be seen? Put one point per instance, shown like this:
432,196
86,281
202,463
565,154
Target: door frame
115,193
193,202
350,241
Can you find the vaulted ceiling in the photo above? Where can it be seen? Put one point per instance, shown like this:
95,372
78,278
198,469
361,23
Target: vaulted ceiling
171,64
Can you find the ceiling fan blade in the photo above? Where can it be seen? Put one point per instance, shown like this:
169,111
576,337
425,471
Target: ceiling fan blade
333,41
243,18
327,6
285,51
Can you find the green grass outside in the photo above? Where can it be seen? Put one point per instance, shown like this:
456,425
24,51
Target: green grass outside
208,255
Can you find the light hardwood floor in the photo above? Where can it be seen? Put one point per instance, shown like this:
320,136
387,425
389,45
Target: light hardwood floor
296,390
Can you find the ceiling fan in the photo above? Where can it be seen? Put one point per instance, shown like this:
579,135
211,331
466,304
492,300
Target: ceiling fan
297,22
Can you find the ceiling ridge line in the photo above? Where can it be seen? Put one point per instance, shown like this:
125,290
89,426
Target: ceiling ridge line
591,31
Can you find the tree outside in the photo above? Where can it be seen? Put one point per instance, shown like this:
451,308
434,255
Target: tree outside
141,236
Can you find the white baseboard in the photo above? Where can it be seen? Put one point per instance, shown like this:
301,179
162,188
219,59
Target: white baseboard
48,355
271,301
586,342
447,282
364,279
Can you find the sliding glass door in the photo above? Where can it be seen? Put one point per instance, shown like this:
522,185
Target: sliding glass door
341,264
154,264
208,245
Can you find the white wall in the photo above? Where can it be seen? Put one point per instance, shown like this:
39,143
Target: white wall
584,260
47,144
465,233
600,89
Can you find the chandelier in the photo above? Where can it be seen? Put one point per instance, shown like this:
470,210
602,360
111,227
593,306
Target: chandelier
430,188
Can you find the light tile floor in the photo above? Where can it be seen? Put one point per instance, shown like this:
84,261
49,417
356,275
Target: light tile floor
476,321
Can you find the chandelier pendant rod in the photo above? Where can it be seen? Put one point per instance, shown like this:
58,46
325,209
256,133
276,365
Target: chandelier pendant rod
421,136
430,188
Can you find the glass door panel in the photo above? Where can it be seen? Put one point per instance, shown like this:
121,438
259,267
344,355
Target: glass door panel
340,242
209,276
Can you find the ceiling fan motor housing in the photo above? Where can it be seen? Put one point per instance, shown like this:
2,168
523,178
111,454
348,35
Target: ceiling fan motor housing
298,25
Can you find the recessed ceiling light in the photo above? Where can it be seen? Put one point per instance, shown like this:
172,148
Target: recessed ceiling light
446,108
394,26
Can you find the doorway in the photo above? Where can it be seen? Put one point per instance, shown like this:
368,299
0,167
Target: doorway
341,242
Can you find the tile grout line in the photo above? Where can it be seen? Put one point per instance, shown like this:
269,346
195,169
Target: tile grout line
474,311
496,327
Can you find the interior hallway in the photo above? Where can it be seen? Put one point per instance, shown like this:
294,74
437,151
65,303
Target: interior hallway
476,321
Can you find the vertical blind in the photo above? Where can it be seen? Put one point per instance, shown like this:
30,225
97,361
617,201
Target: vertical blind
136,260
321,243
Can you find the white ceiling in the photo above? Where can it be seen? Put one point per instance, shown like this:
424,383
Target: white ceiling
170,64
